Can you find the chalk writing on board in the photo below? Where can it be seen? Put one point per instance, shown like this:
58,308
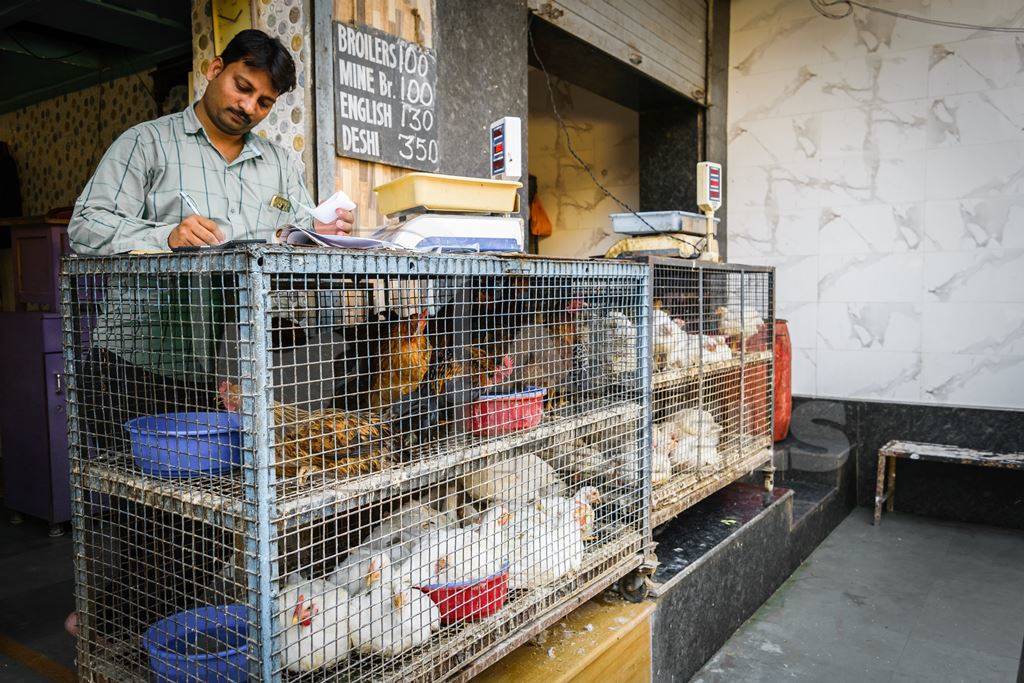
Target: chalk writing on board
386,96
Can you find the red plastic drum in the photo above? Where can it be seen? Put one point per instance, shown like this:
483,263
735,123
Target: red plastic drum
783,380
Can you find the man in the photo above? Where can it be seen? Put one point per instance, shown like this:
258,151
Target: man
157,339
245,186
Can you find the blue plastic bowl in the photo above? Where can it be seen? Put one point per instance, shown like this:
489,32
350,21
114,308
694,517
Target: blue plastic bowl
179,645
186,444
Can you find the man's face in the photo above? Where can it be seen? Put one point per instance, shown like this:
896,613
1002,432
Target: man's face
238,96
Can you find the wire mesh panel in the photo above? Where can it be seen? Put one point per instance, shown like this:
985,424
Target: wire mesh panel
326,465
711,344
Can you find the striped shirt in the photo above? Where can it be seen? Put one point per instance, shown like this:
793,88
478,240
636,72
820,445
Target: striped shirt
132,200
174,324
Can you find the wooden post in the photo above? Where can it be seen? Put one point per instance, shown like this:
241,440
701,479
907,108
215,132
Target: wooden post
879,489
890,501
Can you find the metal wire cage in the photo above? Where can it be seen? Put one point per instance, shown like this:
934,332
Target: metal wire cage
328,465
712,329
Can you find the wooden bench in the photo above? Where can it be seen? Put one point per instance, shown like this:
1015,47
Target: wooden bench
913,450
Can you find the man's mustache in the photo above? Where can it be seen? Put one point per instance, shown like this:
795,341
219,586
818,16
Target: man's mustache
240,114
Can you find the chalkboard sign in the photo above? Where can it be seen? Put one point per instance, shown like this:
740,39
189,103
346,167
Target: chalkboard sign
385,90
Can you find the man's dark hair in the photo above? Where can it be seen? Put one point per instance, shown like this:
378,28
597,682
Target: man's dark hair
256,49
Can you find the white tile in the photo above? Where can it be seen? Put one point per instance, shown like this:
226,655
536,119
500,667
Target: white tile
974,224
980,276
788,92
805,371
753,14
880,78
881,375
977,118
964,379
869,326
810,39
802,320
990,62
882,130
776,188
843,182
756,232
870,278
771,141
995,329
871,228
975,171
796,277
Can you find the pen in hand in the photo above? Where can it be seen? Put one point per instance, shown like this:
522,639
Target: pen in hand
189,202
196,230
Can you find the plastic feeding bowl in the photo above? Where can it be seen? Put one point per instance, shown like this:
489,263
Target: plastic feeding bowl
469,600
203,644
497,414
186,444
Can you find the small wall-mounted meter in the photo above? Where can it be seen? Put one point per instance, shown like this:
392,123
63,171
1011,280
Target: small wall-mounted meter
709,186
505,143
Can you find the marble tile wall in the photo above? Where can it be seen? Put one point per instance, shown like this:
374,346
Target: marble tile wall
878,163
605,135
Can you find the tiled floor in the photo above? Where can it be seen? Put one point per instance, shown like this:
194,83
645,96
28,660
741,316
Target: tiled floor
36,594
913,600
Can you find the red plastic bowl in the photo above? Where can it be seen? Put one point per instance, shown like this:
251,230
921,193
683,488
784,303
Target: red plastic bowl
469,600
499,414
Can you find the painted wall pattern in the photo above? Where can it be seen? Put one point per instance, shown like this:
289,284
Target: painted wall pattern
605,135
57,143
878,163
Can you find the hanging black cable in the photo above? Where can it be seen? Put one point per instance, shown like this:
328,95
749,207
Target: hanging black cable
821,6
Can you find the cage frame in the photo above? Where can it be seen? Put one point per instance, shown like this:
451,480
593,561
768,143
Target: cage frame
664,510
254,514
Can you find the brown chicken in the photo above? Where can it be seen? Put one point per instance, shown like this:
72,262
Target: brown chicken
337,441
403,363
481,369
546,353
383,360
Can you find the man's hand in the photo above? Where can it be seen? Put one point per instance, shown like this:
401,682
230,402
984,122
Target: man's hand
342,226
195,231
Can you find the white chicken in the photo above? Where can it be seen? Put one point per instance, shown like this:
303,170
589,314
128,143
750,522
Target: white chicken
581,505
313,622
663,452
623,337
547,548
391,619
731,324
397,534
494,535
690,437
452,555
363,569
523,477
444,555
714,348
670,341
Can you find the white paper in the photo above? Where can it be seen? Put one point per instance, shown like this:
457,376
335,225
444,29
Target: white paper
300,237
327,210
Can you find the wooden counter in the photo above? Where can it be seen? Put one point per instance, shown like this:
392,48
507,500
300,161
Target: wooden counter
607,640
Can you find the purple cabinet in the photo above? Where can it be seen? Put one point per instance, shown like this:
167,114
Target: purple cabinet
33,417
36,248
33,420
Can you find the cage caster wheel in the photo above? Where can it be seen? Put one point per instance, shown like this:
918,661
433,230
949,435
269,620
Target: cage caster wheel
634,587
16,518
56,530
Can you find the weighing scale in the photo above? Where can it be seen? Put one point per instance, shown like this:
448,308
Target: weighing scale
448,213
674,233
